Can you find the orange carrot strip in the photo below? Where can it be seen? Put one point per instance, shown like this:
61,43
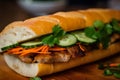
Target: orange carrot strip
32,50
81,47
39,48
114,64
24,52
47,48
15,49
44,48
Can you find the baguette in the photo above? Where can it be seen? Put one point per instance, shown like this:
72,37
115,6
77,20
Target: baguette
69,21
36,69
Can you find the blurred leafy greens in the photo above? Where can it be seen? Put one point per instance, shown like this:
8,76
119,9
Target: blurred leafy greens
35,78
101,32
111,69
53,38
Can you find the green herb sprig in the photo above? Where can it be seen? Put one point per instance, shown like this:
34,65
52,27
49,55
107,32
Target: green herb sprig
53,38
101,31
35,78
110,70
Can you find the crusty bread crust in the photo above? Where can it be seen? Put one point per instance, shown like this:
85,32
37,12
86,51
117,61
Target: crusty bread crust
75,19
42,25
107,14
45,69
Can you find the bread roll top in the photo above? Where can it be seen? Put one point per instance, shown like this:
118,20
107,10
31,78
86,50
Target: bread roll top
69,21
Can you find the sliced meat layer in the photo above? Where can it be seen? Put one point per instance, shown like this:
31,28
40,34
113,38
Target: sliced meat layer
75,51
55,57
27,58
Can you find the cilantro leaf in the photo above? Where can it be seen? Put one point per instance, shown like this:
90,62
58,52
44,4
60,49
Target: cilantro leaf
108,72
90,32
98,24
48,40
100,32
105,41
53,38
35,78
57,31
115,25
108,29
117,75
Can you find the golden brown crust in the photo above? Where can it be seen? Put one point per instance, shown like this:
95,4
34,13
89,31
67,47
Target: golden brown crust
69,24
107,14
90,17
45,69
43,25
40,27
68,20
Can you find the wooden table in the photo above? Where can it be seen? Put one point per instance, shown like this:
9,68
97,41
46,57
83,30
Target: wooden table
85,72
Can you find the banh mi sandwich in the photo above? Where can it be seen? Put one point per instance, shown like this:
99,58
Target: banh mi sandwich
53,43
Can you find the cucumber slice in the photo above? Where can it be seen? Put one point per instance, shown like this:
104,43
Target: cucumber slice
82,37
67,40
31,44
9,47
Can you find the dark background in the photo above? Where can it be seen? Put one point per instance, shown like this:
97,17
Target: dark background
10,11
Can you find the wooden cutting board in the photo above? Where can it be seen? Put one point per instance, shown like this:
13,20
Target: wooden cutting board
84,72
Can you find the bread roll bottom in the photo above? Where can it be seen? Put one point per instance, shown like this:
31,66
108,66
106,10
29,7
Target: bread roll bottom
38,69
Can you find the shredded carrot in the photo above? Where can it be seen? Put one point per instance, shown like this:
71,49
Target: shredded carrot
16,49
27,51
39,50
81,47
114,64
44,48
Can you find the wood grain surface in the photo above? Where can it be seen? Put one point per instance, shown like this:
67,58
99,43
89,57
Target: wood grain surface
85,72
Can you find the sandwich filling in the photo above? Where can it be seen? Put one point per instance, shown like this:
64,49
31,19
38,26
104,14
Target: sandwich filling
61,46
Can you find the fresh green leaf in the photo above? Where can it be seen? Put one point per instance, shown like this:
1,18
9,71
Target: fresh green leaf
105,41
61,33
35,78
108,72
119,65
57,31
53,38
116,28
108,29
117,75
114,22
48,40
98,24
91,32
115,25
